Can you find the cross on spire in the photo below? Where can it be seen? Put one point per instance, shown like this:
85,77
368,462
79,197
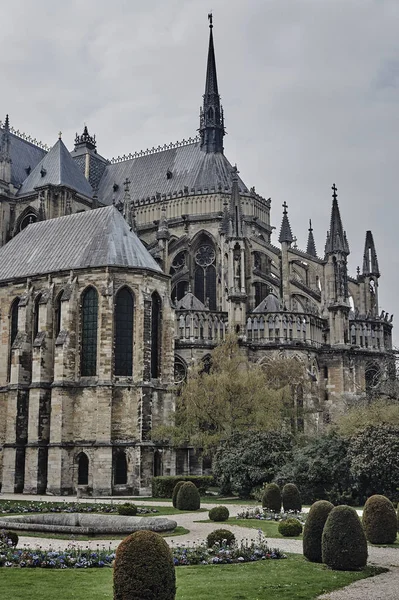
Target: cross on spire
210,19
285,206
334,189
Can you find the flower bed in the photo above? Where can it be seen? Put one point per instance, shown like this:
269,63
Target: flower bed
264,515
11,507
198,554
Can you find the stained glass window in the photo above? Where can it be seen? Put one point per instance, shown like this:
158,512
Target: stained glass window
155,334
124,333
210,278
88,360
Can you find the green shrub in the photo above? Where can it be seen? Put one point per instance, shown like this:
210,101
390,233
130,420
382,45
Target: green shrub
188,497
272,498
344,544
313,530
290,527
128,509
219,513
220,536
291,498
162,487
379,520
144,568
176,491
8,538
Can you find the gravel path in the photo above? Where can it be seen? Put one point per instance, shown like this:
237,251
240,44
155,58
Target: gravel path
381,587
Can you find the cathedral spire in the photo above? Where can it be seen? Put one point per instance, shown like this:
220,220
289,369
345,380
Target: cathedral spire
211,114
311,247
336,236
370,261
285,231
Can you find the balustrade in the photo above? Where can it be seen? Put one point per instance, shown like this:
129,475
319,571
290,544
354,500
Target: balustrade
285,328
201,325
371,334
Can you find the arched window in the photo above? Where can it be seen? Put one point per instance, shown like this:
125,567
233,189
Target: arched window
57,314
83,469
36,312
179,290
124,306
14,320
120,469
205,275
88,358
156,315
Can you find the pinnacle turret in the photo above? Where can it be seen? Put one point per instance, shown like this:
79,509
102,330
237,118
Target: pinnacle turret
235,217
311,247
336,237
370,261
211,114
285,231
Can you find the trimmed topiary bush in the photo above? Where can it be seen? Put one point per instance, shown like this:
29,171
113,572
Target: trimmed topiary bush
343,543
271,498
188,497
379,520
144,568
220,536
128,509
290,527
313,530
291,498
162,486
219,513
176,491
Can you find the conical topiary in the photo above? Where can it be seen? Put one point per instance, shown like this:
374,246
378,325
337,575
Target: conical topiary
144,568
344,544
188,497
313,530
291,498
271,499
176,491
380,520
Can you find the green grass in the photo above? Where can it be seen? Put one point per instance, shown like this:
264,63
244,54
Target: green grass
269,528
84,538
290,579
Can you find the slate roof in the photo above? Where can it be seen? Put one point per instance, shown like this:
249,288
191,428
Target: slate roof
94,238
57,168
190,302
189,167
23,155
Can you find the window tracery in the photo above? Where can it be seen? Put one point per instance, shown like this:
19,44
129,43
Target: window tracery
88,358
123,342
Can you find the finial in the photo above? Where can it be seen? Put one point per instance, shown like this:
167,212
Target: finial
310,225
7,123
210,19
285,206
358,271
59,135
234,173
334,189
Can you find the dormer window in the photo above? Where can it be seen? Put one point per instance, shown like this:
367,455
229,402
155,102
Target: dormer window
28,169
169,174
43,172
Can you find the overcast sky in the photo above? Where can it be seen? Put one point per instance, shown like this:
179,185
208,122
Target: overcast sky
310,90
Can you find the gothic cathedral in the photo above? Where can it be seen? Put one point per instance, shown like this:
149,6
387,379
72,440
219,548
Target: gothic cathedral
117,275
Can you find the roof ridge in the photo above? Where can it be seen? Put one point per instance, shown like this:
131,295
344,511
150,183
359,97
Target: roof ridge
154,150
27,138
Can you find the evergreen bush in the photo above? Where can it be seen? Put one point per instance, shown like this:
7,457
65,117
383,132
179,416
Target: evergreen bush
220,536
290,527
291,498
8,538
379,520
176,491
188,497
344,544
219,513
313,530
128,509
272,498
144,568
162,486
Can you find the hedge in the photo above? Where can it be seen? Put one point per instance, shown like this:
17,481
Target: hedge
162,487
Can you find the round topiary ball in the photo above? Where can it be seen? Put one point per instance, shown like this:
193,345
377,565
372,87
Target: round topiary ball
343,543
290,527
128,509
144,568
271,499
380,520
219,513
313,530
188,497
291,498
220,536
176,491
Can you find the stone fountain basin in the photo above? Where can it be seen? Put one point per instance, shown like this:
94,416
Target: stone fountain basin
85,524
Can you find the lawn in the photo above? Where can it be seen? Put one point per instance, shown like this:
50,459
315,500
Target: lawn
84,538
294,578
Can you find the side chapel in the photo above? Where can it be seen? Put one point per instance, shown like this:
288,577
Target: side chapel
117,275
